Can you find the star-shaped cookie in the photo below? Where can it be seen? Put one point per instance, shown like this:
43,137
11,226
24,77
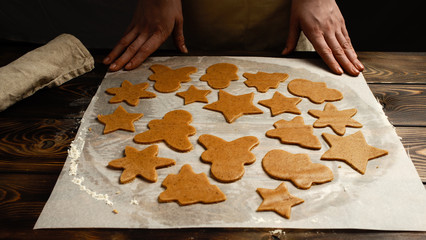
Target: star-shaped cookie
228,158
234,106
295,132
194,94
120,119
297,168
278,200
352,149
169,80
220,75
263,81
140,163
129,93
281,104
173,129
337,120
187,187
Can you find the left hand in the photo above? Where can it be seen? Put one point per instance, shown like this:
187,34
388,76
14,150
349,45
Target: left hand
323,24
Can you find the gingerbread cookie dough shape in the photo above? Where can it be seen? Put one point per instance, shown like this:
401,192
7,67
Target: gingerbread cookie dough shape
129,93
193,94
295,132
296,168
233,106
168,80
140,163
352,149
228,158
187,188
120,119
316,92
263,81
281,104
220,75
173,129
278,200
337,120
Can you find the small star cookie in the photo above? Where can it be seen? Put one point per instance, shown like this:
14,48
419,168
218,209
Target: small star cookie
297,168
352,149
140,163
120,119
278,200
220,75
194,94
233,106
295,132
316,92
281,104
169,80
129,93
337,120
263,81
187,188
228,158
173,129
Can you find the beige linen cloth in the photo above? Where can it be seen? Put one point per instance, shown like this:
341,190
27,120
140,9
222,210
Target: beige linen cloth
53,64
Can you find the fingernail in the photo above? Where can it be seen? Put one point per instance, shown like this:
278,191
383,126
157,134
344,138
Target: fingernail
113,66
129,65
106,60
355,70
359,66
185,50
340,70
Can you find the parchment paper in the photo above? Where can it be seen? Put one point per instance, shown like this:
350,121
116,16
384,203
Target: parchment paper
390,196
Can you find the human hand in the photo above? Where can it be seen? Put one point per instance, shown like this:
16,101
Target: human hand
323,24
152,23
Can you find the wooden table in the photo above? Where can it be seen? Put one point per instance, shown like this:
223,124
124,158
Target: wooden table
36,133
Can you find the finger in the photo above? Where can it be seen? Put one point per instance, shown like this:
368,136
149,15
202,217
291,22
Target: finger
150,46
293,37
178,36
346,44
130,52
340,54
121,46
325,52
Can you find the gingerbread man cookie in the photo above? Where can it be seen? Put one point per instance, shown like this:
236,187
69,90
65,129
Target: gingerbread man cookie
187,187
228,158
169,80
297,168
316,92
263,81
220,75
173,129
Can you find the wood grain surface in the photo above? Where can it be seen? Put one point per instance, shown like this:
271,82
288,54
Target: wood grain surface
35,135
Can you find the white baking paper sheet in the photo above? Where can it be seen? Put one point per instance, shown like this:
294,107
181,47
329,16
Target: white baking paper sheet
390,196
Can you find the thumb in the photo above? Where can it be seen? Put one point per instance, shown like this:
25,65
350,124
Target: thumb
293,37
178,37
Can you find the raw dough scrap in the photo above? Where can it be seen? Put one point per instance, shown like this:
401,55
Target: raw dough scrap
187,187
140,163
169,80
278,200
281,104
297,168
337,120
220,75
120,119
295,132
129,93
194,94
233,106
173,129
263,81
228,158
352,149
316,92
